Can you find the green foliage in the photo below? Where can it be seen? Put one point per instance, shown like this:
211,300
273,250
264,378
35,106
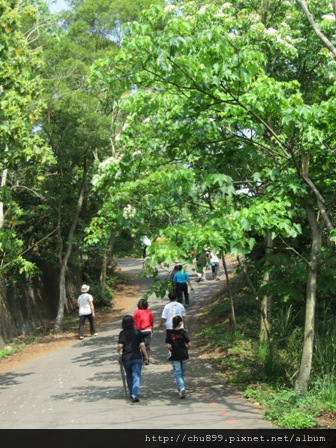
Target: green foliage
103,297
325,343
7,351
18,345
288,411
267,376
24,154
325,389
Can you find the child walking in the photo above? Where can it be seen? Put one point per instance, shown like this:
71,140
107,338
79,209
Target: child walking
177,342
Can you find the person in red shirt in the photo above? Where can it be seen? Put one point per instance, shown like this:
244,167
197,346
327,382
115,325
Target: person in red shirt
144,322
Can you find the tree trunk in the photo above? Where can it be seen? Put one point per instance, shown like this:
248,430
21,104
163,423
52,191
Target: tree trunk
3,183
64,260
247,277
265,301
106,261
233,314
303,378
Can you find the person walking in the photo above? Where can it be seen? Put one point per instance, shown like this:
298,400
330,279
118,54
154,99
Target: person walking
144,322
171,309
177,342
171,277
146,242
133,351
214,260
201,262
86,311
181,281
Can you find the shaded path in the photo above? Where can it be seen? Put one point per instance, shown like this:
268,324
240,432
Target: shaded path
79,386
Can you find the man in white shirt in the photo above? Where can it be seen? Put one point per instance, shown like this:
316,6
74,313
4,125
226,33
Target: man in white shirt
146,242
86,311
173,308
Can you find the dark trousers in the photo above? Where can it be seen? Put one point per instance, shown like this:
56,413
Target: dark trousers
147,335
182,289
82,320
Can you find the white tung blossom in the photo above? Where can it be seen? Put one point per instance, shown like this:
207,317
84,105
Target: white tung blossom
203,10
170,8
129,212
109,161
330,17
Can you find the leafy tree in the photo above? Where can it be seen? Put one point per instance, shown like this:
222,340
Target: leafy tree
235,94
23,152
78,124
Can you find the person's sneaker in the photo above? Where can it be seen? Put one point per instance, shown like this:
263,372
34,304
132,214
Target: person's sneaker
81,337
94,334
135,399
182,393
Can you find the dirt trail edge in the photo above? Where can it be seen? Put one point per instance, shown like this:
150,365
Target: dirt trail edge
79,385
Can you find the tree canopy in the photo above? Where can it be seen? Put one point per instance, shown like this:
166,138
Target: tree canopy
209,124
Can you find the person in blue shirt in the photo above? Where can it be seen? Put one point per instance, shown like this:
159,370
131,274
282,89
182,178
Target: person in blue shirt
182,280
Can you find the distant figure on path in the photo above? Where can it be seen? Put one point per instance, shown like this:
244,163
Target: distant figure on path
144,322
146,242
86,311
181,281
214,260
177,342
133,352
171,277
201,261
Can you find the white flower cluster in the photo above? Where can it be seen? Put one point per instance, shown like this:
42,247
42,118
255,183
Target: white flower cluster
129,212
329,17
109,161
271,31
170,8
203,9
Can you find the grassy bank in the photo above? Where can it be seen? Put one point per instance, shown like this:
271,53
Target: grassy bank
267,379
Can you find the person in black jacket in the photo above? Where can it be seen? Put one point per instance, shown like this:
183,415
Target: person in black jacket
133,349
177,342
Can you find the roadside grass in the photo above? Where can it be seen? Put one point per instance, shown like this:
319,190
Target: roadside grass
17,345
267,379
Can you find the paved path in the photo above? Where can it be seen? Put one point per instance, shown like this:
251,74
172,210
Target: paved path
79,386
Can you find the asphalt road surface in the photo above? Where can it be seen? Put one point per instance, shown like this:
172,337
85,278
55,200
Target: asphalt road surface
79,386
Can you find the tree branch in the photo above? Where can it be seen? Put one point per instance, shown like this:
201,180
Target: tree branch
316,29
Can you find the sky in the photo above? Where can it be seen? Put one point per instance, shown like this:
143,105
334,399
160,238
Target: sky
56,5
